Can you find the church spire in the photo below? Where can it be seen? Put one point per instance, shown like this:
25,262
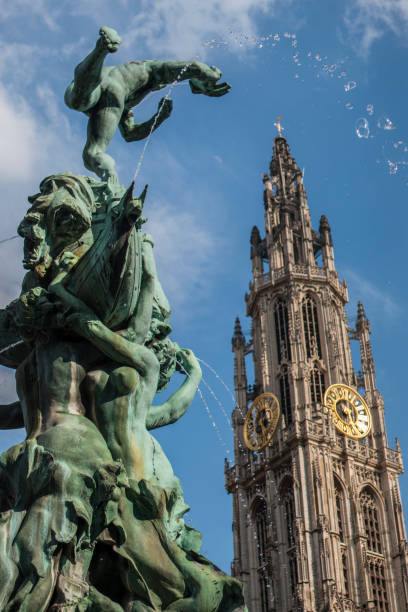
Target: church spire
367,361
290,240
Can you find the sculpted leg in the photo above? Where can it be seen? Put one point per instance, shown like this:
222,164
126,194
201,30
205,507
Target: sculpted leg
84,91
101,128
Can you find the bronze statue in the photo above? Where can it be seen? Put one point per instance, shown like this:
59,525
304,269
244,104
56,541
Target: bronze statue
91,513
108,93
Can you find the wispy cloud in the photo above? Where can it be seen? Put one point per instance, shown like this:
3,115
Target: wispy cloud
47,11
7,386
376,298
184,249
369,20
20,135
181,27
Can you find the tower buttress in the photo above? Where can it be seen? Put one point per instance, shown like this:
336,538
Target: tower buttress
366,353
256,253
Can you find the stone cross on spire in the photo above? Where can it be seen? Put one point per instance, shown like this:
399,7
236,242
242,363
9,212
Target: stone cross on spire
279,126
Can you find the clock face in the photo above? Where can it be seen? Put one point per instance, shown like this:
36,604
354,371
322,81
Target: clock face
261,421
349,411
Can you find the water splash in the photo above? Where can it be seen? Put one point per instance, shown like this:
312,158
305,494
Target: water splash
370,109
8,239
166,97
385,123
214,424
350,85
10,346
218,402
362,128
208,411
207,365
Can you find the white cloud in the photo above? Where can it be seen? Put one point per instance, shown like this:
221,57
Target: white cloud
51,108
374,298
19,153
7,386
48,12
369,20
180,28
184,250
32,141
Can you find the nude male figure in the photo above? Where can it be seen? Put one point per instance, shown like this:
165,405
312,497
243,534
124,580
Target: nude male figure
108,93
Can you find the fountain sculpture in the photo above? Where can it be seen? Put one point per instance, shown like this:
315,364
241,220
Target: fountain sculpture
91,513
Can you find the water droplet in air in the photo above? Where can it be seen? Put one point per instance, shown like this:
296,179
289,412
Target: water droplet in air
385,123
296,76
362,128
392,166
349,106
350,85
370,109
318,57
260,45
332,67
309,53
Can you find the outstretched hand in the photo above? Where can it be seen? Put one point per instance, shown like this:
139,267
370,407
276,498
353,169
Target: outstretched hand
209,88
164,108
187,363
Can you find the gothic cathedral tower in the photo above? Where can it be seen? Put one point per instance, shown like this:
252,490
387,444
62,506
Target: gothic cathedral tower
318,522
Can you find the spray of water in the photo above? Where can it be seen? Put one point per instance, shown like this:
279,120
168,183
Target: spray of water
166,97
10,346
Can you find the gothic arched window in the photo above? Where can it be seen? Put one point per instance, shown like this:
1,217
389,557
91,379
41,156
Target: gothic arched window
341,523
289,519
371,522
316,385
311,327
338,493
378,583
259,514
284,388
375,557
282,330
297,249
289,512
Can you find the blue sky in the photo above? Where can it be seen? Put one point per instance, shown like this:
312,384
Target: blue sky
334,70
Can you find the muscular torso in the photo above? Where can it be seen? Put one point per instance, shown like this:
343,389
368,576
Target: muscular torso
117,400
128,83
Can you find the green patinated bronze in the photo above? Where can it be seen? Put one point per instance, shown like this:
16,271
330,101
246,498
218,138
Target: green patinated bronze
91,513
108,93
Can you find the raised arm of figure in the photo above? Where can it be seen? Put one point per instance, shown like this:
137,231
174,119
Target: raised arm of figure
162,72
132,131
11,416
180,401
87,324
